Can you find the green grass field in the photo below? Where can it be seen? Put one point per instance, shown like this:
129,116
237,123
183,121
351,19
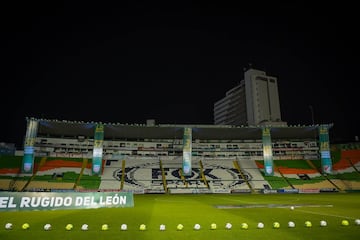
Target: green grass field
154,209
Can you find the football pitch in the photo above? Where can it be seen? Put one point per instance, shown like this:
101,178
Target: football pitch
153,210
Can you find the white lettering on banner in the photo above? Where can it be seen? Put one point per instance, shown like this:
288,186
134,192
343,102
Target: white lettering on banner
67,201
113,200
108,200
58,201
3,202
7,202
25,202
11,203
116,199
44,201
119,200
78,201
87,201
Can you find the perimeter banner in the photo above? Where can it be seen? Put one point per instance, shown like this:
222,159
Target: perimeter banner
267,152
326,163
98,149
187,148
28,158
29,201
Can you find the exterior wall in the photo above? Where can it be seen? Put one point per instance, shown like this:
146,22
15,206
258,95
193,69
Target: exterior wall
254,101
274,102
231,110
262,98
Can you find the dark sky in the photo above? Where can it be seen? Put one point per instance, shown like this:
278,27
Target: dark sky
95,61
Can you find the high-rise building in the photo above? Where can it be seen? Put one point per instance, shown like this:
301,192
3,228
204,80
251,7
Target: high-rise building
255,101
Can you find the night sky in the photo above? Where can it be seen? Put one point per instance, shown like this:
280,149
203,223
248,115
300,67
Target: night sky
95,61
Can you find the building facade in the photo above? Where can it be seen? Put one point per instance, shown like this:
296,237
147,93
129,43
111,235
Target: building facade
255,101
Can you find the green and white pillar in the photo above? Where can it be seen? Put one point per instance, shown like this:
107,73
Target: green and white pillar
187,149
267,152
29,155
98,149
326,164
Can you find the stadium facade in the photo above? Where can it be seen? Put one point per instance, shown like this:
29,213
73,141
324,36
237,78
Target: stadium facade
113,141
248,129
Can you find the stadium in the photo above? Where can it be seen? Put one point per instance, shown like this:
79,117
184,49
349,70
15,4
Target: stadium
164,181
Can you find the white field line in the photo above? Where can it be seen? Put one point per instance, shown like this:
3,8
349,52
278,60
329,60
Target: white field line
324,214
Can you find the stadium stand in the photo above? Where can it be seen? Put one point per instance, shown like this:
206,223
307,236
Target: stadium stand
148,159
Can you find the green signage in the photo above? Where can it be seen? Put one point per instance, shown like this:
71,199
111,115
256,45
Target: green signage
26,201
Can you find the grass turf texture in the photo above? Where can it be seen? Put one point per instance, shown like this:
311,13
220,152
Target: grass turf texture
171,210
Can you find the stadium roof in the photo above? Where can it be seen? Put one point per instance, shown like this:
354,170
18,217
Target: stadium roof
65,128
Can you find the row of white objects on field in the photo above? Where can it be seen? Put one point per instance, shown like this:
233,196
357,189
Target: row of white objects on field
180,227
